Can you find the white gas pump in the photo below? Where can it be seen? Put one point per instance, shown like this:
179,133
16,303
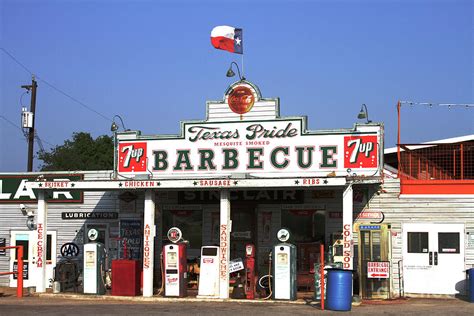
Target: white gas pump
175,263
94,265
209,272
284,268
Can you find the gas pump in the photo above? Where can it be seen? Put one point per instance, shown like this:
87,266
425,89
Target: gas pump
336,245
175,265
284,268
209,272
94,265
250,271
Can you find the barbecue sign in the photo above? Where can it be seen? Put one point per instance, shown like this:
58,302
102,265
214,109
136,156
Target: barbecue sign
265,147
378,269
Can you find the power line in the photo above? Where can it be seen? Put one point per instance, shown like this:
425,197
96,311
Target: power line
11,123
16,60
448,105
74,99
54,87
25,134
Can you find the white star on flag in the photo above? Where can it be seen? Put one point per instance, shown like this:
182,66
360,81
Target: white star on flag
237,41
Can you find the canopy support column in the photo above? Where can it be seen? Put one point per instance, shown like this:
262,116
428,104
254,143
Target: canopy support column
149,233
347,213
224,236
40,247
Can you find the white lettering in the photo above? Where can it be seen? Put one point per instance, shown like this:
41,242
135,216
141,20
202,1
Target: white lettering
67,195
3,196
24,191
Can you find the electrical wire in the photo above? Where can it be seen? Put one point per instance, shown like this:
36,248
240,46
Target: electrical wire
16,60
25,134
11,123
449,105
54,87
74,99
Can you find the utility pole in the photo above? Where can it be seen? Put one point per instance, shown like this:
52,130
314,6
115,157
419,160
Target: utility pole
31,134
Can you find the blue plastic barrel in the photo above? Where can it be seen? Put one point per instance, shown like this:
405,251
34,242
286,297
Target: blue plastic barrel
470,273
339,290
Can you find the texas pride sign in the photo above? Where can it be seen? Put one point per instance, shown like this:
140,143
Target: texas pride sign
270,148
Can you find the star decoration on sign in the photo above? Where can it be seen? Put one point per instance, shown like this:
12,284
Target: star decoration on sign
72,185
297,182
237,41
235,182
40,185
120,184
158,183
325,181
195,183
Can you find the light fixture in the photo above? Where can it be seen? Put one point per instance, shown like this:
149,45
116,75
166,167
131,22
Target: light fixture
364,114
231,73
114,127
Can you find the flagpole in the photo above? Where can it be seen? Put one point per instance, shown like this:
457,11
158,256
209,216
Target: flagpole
243,74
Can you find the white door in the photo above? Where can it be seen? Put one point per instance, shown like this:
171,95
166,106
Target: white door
433,258
28,240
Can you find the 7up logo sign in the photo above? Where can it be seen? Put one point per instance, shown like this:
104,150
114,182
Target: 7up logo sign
360,152
132,157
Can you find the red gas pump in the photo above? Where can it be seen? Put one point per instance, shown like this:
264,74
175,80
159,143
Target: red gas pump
250,271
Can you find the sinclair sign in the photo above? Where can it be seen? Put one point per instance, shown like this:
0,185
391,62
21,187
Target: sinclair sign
14,190
250,147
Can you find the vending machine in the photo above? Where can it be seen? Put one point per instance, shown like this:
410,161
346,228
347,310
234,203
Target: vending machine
175,265
94,265
209,274
284,268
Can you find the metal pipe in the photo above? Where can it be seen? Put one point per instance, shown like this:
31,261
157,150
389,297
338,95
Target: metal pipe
321,251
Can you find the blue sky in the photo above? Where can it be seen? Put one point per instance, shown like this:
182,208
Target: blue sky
152,63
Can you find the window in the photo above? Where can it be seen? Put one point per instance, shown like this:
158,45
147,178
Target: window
448,242
188,221
48,247
417,242
304,225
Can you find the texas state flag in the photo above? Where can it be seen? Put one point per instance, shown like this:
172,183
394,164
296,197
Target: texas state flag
227,38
